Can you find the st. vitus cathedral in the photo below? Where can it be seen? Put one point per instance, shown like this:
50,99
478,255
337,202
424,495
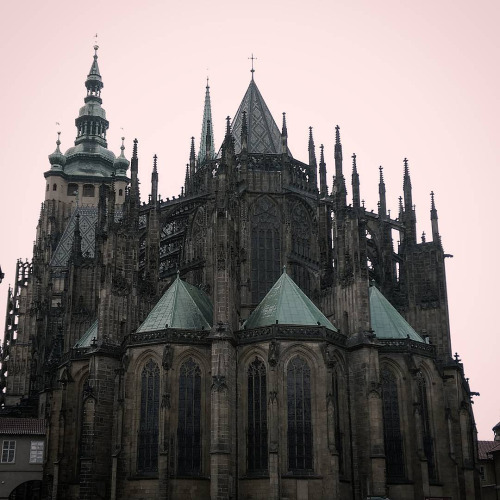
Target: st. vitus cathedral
257,336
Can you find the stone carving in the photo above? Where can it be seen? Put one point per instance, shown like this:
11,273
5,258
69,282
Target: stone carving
165,401
219,383
274,353
329,355
168,356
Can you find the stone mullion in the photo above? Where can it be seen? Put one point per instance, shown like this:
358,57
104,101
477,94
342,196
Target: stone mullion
273,426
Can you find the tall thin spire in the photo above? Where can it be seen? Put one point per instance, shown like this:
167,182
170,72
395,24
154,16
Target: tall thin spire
154,182
382,211
407,186
355,183
244,133
434,220
192,161
312,150
339,183
323,187
284,136
409,219
207,148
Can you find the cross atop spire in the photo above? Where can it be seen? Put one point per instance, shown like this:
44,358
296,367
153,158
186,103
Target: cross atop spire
253,59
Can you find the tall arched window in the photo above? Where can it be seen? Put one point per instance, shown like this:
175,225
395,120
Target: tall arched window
189,421
147,444
426,427
338,426
266,248
393,440
257,418
299,415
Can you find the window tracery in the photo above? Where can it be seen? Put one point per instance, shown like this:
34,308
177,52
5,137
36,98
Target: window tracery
189,420
393,440
266,248
147,444
257,451
299,415
428,441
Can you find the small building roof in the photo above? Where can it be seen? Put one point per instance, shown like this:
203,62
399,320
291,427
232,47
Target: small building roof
386,321
182,306
18,426
485,448
287,304
86,338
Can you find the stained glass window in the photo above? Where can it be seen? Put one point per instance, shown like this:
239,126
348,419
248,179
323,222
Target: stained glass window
147,445
299,415
266,248
189,422
257,418
393,440
426,427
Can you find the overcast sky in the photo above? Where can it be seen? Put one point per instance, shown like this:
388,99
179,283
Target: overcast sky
400,78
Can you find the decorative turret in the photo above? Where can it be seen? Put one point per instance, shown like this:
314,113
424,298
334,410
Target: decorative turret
207,149
228,144
244,133
57,159
382,208
284,135
434,220
154,182
408,212
339,182
312,153
407,187
323,187
192,160
355,183
121,163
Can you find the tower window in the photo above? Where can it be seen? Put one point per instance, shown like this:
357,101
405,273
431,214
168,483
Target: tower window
72,189
147,446
120,192
257,418
189,423
88,190
47,187
393,440
54,187
299,416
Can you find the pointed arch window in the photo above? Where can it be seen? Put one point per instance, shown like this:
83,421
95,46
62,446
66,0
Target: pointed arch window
338,426
189,420
257,418
147,444
428,441
266,248
299,415
393,440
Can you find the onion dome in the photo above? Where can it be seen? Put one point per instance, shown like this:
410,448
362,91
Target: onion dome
121,163
57,159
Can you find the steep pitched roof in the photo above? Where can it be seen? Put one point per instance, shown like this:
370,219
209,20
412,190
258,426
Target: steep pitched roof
387,323
86,339
182,306
287,304
485,448
18,426
264,135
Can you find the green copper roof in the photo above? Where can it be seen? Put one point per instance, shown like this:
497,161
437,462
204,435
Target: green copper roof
287,304
182,306
387,323
86,339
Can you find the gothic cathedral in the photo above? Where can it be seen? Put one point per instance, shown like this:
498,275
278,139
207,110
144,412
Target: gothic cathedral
257,336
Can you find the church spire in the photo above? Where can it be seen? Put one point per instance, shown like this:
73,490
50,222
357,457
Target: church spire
355,182
284,136
207,148
340,190
154,182
312,150
91,123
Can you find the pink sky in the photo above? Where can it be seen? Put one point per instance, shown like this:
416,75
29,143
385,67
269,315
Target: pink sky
401,78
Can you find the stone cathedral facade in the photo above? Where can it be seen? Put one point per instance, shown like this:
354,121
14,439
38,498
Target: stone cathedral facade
258,336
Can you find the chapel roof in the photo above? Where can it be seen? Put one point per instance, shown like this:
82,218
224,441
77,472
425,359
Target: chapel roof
386,321
287,304
86,339
182,306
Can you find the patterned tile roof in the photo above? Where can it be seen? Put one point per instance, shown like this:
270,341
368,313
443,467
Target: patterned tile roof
386,321
264,135
182,306
88,221
34,426
485,448
287,304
